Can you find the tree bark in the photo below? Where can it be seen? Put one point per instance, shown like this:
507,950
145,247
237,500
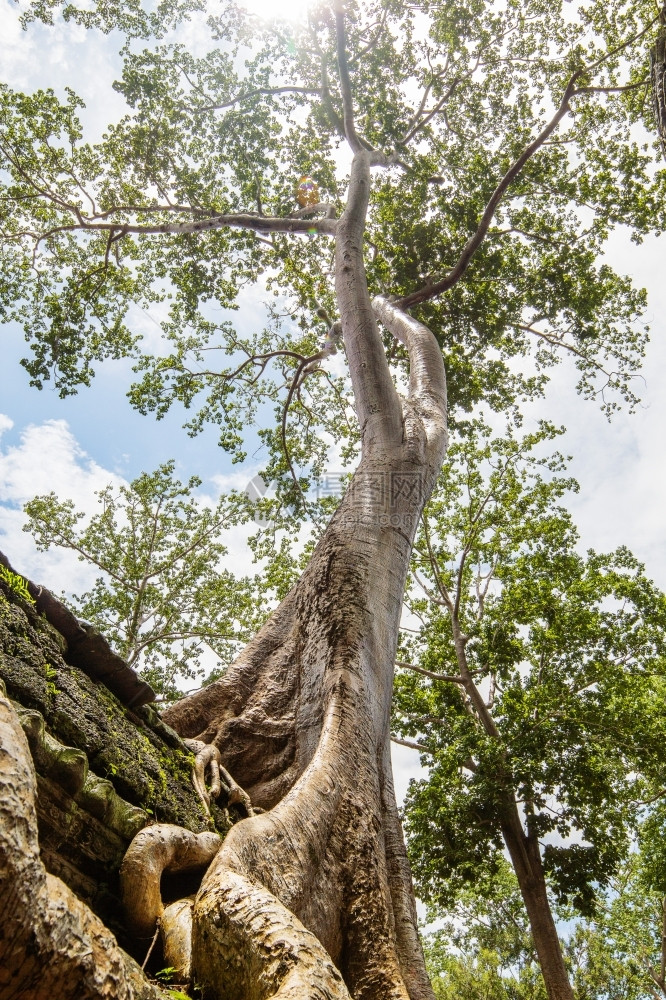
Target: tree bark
302,722
313,898
526,859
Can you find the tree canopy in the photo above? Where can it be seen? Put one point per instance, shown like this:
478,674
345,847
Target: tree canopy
532,683
510,143
568,651
164,597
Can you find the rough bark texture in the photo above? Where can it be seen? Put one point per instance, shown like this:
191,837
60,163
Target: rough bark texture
319,885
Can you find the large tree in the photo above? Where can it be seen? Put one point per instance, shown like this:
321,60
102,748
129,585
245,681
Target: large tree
535,692
459,161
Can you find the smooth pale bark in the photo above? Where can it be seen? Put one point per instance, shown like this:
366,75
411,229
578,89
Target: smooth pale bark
176,929
51,944
319,884
156,849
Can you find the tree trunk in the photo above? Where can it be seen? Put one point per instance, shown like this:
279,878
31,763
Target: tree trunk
318,887
302,722
526,860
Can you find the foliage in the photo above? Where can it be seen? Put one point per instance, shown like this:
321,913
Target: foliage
563,711
164,597
528,113
483,949
16,583
508,145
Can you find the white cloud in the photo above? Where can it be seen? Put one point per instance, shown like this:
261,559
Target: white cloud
620,463
406,765
47,458
87,61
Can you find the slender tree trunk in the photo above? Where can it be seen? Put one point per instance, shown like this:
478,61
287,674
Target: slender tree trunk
523,849
526,859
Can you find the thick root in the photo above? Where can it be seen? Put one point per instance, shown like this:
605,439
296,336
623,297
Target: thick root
243,937
156,849
176,930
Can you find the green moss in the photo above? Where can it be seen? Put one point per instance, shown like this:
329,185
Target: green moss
140,755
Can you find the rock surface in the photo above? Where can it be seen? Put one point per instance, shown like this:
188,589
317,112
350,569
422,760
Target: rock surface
104,769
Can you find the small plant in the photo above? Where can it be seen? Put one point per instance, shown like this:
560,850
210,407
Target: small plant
165,975
16,583
51,673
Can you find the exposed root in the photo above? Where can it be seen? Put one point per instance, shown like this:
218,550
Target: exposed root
176,927
156,849
207,760
247,940
236,793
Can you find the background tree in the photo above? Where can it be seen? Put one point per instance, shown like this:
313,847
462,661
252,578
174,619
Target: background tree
483,947
620,951
467,161
164,597
535,690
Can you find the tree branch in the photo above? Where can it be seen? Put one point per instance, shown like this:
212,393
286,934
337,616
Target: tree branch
475,241
427,377
345,82
410,744
258,91
416,125
446,597
377,402
258,223
429,673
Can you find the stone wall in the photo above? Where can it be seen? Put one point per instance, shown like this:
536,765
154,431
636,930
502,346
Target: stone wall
105,769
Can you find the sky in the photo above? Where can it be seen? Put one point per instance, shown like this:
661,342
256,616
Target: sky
77,446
